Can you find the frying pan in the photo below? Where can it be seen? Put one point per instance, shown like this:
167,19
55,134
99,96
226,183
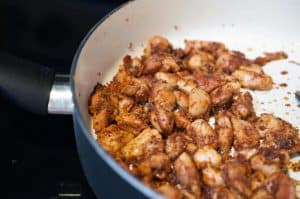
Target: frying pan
250,26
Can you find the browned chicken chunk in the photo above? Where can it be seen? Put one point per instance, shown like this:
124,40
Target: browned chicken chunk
203,133
113,138
224,130
253,80
245,135
243,106
176,144
187,174
235,175
170,191
144,145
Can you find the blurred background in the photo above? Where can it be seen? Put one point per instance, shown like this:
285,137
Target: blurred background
40,151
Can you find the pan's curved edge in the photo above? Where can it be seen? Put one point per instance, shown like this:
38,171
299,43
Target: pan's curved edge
99,150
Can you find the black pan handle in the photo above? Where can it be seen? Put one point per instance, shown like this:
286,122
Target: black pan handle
27,84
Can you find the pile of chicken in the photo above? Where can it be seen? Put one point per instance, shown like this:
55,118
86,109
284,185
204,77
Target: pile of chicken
153,119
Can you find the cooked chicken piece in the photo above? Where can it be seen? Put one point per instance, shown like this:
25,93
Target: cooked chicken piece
160,62
162,120
176,144
280,157
224,193
257,179
202,133
152,64
137,67
125,104
235,176
98,100
223,94
145,144
258,162
206,156
157,87
201,61
230,61
132,120
286,188
191,148
246,153
185,75
243,106
222,119
208,81
270,57
267,123
234,85
168,78
113,138
252,67
179,53
286,139
136,88
133,66
212,177
156,166
253,80
280,186
262,194
169,191
245,135
187,174
194,46
269,161
142,111
224,129
130,129
158,44
100,120
182,99
121,76
199,102
186,85
182,119
170,63
165,99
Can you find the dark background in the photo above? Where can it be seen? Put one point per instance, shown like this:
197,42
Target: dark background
40,150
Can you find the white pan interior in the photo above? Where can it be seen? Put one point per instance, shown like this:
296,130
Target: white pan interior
252,27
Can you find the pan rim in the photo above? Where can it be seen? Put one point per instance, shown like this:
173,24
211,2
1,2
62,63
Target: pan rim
78,117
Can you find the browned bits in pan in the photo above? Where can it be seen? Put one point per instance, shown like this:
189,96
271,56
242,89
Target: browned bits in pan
283,85
284,72
153,118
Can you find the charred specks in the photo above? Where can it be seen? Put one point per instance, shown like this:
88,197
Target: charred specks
283,85
284,72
